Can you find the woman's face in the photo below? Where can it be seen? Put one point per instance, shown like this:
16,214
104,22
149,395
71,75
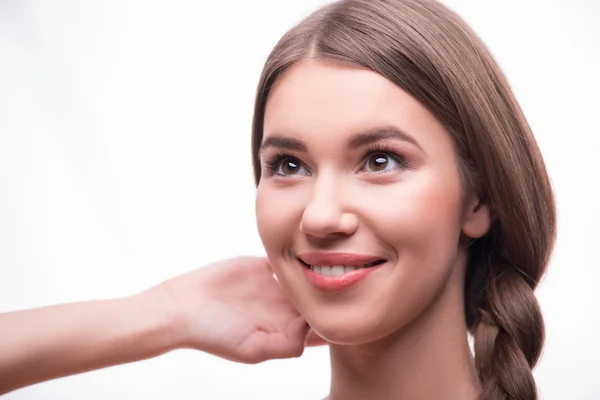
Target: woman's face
356,172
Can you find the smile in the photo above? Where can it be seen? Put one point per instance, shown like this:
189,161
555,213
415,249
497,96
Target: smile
337,271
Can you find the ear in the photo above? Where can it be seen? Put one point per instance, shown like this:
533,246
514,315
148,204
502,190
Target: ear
477,219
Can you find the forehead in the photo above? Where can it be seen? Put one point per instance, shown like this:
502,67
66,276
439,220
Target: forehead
323,99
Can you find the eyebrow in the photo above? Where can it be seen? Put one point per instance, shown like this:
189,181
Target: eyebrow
361,139
282,142
381,133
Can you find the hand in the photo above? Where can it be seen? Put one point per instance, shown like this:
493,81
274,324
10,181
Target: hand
235,309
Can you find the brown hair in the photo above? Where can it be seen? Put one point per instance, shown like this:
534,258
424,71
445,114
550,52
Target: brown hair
431,53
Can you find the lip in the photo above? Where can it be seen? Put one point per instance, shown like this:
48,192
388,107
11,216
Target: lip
339,282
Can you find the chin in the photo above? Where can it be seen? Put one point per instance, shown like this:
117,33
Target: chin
353,327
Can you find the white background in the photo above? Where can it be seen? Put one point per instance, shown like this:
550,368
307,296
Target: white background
125,160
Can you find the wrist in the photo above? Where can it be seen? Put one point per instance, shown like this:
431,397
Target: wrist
160,323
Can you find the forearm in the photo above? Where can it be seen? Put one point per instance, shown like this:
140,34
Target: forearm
51,342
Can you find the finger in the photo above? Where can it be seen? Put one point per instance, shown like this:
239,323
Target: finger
290,343
313,339
264,263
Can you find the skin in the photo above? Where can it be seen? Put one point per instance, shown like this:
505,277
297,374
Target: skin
400,333
233,309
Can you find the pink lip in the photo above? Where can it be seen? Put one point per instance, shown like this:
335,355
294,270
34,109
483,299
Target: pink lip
339,282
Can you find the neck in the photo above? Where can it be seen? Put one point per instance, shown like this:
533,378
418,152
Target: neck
429,359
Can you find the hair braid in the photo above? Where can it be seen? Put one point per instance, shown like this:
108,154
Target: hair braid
508,338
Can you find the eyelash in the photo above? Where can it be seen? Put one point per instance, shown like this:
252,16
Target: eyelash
274,162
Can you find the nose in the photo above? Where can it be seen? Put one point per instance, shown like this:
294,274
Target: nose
326,213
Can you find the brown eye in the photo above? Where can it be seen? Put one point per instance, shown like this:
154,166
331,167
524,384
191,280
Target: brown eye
289,166
283,165
378,162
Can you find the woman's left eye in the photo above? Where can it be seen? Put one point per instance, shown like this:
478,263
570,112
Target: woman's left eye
382,162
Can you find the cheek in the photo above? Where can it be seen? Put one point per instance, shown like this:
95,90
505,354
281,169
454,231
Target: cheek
421,211
266,218
420,221
277,218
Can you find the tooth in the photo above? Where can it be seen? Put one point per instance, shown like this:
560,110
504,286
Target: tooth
349,268
337,270
325,270
317,269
